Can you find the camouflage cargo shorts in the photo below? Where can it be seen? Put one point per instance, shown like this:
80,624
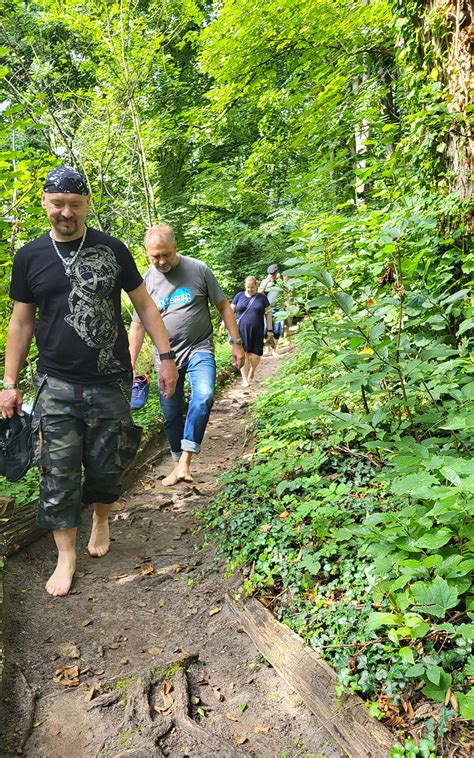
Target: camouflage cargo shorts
83,439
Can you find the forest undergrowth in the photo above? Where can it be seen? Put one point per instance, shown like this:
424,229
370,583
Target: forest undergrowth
353,519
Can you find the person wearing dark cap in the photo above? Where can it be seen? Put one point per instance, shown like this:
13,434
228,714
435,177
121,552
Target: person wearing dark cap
73,275
270,286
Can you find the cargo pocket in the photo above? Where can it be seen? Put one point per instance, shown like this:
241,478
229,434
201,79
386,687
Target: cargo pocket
41,454
130,438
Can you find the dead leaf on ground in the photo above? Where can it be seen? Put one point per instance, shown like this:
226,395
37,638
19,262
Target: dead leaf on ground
202,682
49,605
218,695
69,651
53,731
147,570
87,622
215,610
120,576
261,729
231,716
423,712
154,650
284,515
48,639
195,700
99,672
114,645
141,603
407,707
167,687
67,675
265,527
161,603
240,740
100,650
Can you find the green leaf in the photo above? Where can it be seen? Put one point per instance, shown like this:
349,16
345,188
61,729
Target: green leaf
406,654
460,295
468,669
378,619
466,326
325,278
344,301
434,597
433,673
466,630
437,691
434,540
451,476
466,704
415,671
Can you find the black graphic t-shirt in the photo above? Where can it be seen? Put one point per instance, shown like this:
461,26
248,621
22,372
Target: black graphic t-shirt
79,332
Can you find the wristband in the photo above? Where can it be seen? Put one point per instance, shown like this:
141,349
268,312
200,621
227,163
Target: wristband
10,386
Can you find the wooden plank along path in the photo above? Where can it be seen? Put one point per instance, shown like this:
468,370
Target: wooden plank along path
346,719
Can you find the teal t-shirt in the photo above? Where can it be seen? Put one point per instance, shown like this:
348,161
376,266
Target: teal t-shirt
182,296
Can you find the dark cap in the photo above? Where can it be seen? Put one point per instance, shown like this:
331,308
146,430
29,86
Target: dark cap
273,268
65,180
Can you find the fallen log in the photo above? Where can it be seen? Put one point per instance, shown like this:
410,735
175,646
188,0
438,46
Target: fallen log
346,719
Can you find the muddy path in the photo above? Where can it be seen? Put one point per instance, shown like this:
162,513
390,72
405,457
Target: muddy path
143,658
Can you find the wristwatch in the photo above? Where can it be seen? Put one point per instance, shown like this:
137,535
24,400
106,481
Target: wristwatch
238,341
169,356
9,386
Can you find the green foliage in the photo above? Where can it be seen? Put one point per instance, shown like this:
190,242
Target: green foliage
371,562
24,491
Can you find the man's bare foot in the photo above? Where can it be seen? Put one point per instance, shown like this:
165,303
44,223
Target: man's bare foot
184,475
179,474
99,540
59,583
171,479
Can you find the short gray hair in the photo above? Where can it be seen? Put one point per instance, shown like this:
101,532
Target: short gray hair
162,231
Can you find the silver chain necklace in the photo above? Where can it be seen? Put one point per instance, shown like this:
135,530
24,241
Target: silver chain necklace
69,262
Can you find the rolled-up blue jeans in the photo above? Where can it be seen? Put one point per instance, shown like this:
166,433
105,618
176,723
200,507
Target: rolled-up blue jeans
187,433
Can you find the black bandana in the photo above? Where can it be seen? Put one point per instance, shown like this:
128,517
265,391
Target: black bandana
66,180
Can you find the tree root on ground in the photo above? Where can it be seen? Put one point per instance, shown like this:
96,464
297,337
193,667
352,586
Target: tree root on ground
28,698
147,719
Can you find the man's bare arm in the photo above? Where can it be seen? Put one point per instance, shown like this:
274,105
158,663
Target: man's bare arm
136,336
153,323
228,317
19,336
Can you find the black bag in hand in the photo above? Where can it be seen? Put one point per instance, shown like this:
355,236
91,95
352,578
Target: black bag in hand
16,448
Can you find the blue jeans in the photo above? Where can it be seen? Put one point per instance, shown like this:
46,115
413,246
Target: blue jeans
187,434
278,326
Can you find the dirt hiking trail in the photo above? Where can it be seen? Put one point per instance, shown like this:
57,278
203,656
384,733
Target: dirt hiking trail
143,658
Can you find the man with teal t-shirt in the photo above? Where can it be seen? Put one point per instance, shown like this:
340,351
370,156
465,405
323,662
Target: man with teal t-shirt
182,289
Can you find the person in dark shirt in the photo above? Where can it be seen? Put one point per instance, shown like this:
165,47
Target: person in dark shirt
73,277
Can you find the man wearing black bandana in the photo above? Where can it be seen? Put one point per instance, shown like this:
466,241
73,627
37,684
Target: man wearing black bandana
83,434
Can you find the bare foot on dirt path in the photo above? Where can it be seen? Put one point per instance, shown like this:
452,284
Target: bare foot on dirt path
99,541
155,594
59,583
